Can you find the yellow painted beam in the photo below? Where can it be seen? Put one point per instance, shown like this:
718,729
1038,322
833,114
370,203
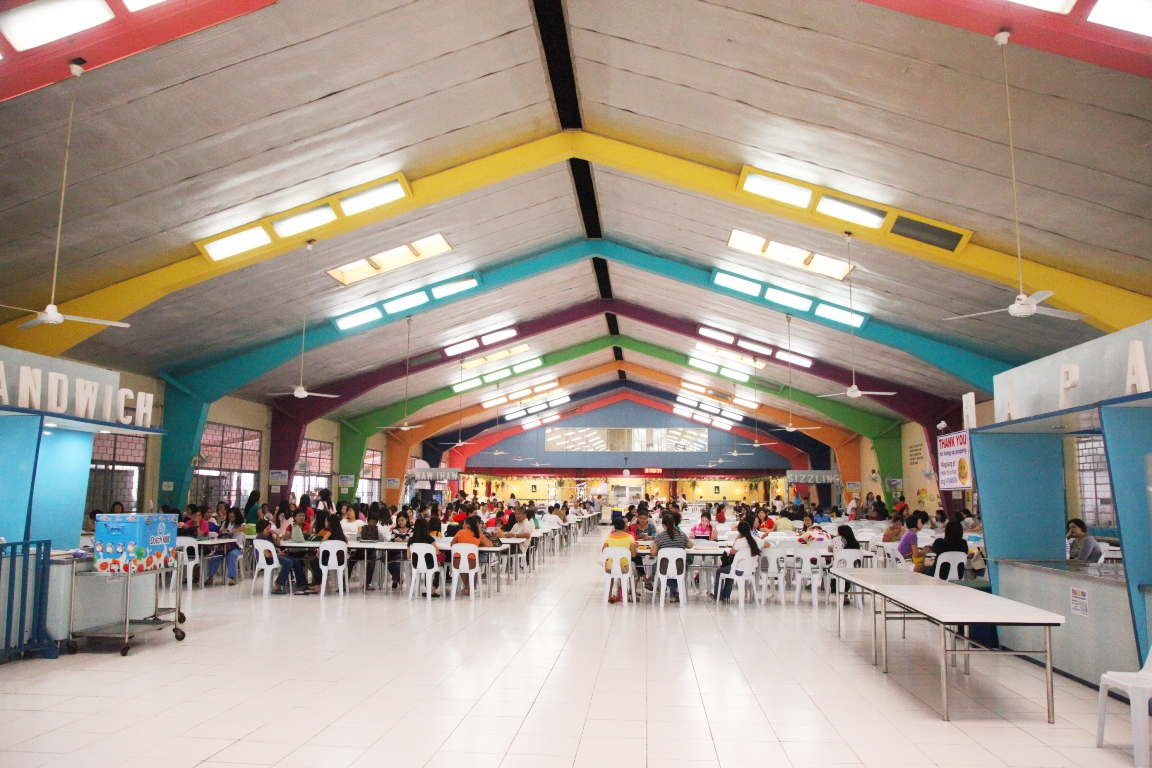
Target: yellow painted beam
1107,307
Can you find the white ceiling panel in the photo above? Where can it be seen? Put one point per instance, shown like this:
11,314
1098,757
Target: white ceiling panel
264,302
254,116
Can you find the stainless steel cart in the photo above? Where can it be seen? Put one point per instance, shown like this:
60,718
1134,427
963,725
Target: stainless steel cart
126,630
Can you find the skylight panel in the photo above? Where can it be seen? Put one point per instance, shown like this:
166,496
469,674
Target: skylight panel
462,347
864,215
1128,15
712,333
464,386
304,221
358,318
778,190
795,359
44,21
497,336
371,198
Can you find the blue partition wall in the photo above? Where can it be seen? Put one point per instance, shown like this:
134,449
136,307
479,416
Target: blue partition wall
1128,444
61,487
1021,482
19,440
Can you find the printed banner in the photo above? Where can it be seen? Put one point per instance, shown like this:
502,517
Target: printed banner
955,459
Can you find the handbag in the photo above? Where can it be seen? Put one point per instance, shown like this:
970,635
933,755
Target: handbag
369,533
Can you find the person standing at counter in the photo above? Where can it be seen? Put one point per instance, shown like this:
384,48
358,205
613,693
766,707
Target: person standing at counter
1084,547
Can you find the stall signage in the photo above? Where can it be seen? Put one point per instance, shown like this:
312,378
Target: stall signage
852,486
813,476
49,384
955,459
435,474
391,483
653,471
347,481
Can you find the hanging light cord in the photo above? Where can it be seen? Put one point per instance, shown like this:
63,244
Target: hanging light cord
304,318
407,364
1002,41
63,186
851,313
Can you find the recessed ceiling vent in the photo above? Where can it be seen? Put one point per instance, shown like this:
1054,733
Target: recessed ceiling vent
928,234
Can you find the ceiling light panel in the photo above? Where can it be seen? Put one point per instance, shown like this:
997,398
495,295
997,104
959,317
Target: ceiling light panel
372,198
461,347
358,318
838,315
692,386
405,302
550,419
703,365
752,346
527,365
392,259
789,357
304,221
738,284
43,21
464,386
515,415
494,402
503,373
712,333
1054,6
233,245
857,213
530,424
749,404
735,375
1128,15
497,336
545,386
777,296
777,189
789,255
451,289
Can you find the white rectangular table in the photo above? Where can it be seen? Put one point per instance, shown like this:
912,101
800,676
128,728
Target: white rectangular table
948,605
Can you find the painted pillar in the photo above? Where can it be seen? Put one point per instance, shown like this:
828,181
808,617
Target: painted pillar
890,459
848,462
395,465
286,440
353,445
184,420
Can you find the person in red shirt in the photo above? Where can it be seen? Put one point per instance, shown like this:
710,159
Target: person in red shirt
902,507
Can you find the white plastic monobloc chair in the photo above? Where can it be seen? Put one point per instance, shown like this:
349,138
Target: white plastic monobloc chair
671,565
846,558
424,568
191,559
772,572
333,556
618,568
806,562
465,561
267,561
956,562
1138,687
741,573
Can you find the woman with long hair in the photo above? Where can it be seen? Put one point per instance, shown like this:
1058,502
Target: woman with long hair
745,542
252,507
845,539
470,533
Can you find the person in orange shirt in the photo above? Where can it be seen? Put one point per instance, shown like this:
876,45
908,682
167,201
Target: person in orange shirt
470,533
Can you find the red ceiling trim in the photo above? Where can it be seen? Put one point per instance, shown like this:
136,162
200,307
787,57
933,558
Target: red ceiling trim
127,34
1070,35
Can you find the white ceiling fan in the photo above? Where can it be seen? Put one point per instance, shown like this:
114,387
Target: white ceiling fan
853,391
525,458
1024,305
538,464
51,314
300,391
791,427
756,434
735,452
407,368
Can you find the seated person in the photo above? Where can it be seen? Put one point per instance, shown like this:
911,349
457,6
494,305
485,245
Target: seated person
420,535
744,543
469,533
784,523
288,565
909,547
895,530
821,516
845,539
704,528
953,541
1083,547
814,535
619,537
671,537
234,527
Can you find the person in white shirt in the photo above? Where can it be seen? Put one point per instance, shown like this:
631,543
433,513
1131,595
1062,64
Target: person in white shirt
524,528
778,505
350,524
852,507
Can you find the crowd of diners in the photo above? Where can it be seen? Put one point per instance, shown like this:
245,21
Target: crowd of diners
464,520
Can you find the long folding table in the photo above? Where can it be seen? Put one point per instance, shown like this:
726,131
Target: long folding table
950,606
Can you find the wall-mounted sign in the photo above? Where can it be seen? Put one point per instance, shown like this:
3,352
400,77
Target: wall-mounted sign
347,481
435,474
852,486
278,477
814,476
1079,601
392,483
653,471
954,452
167,485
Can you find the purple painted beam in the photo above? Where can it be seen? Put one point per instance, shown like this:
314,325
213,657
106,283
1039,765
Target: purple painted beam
290,416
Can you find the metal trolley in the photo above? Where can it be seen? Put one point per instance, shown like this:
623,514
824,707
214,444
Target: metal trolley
127,629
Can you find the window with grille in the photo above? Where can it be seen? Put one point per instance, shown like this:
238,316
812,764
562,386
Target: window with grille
314,470
368,487
1096,506
116,472
228,467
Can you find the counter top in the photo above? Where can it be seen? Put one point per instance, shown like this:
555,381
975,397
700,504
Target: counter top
1075,569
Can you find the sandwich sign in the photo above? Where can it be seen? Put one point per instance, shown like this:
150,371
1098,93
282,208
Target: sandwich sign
955,459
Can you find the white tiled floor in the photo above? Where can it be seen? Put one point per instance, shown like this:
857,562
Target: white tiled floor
542,675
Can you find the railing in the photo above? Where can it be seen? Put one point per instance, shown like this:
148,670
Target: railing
24,568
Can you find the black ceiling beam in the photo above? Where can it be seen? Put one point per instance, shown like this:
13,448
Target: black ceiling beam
603,281
618,353
613,324
586,196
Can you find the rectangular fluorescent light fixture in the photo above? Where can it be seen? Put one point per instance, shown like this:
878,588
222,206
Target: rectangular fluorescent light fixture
749,404
304,221
744,359
538,408
687,401
747,243
358,318
864,215
693,387
546,386
494,402
457,286
734,375
777,296
721,424
738,284
788,357
515,415
43,21
503,373
497,336
703,365
775,189
732,415
1053,6
530,424
701,418
752,346
428,247
787,254
709,408
370,198
227,247
550,419
139,5
838,315
464,386
712,333
527,365
559,401
463,346
1128,15
519,394
405,302
812,262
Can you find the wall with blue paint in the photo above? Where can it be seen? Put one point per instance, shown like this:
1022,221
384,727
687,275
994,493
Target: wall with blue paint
61,487
1021,482
531,444
18,439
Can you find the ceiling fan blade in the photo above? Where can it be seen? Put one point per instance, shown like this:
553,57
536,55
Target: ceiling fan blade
21,309
278,394
880,394
976,314
407,427
317,394
1058,313
1038,297
33,322
95,321
835,394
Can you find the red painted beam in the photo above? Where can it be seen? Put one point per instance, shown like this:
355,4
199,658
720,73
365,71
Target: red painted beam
1070,35
127,34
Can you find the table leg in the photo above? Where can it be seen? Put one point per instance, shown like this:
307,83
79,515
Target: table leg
944,667
967,646
872,608
884,631
839,609
1048,674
